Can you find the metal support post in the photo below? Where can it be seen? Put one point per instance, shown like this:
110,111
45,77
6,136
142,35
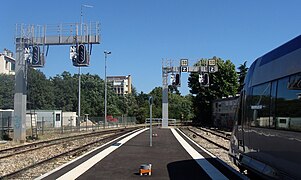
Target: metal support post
78,114
164,99
150,121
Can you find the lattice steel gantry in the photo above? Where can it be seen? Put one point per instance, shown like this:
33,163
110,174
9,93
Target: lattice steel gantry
29,36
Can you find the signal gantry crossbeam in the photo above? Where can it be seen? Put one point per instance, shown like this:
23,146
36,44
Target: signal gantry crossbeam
206,66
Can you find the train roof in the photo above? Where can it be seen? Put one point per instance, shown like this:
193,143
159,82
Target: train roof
282,50
280,62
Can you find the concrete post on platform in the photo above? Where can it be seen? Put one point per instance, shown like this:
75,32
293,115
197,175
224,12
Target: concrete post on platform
19,121
164,99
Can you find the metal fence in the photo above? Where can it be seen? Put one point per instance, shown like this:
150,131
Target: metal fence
158,121
6,128
37,126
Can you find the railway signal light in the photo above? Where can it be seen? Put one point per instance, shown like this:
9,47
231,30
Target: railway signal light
79,55
178,80
172,79
73,53
204,79
37,59
35,54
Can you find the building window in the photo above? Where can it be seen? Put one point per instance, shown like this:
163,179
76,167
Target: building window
6,65
57,117
13,67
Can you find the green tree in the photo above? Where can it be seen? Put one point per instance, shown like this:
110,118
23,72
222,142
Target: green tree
142,112
222,83
241,75
92,96
65,88
7,91
179,107
173,89
156,93
39,91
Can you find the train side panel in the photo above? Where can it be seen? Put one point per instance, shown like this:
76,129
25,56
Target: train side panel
267,134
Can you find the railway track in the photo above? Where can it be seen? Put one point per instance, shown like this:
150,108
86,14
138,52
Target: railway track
215,143
37,155
216,132
12,151
210,140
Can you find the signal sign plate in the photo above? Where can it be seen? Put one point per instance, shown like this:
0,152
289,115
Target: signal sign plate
211,62
212,69
184,62
184,69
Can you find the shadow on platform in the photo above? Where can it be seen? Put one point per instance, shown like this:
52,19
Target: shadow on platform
186,169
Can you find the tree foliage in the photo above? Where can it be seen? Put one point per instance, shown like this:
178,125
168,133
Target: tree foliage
61,92
92,95
241,75
7,91
65,91
39,91
222,84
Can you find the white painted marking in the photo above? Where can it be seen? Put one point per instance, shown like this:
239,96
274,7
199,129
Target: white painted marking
70,162
203,149
79,170
206,166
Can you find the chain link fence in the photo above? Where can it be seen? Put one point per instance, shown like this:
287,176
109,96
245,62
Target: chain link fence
37,126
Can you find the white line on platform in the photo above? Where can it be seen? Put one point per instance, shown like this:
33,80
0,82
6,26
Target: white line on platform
203,149
79,170
213,156
206,166
64,165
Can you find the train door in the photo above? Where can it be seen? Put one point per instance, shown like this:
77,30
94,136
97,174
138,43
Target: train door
240,122
237,138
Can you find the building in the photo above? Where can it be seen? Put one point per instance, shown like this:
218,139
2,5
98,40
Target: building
223,111
69,118
121,85
7,63
46,118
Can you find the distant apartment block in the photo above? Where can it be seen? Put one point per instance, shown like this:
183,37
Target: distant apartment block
121,85
7,63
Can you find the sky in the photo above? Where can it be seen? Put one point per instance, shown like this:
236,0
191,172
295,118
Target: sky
143,33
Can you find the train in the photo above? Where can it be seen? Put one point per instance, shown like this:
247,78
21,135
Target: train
266,136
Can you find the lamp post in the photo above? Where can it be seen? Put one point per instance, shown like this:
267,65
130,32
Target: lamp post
106,54
81,16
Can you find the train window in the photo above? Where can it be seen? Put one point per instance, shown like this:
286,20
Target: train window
250,74
273,102
295,82
239,109
248,113
260,106
288,104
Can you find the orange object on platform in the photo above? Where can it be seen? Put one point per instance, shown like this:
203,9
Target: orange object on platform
144,171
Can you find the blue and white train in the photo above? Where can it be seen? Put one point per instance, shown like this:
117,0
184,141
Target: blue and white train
266,137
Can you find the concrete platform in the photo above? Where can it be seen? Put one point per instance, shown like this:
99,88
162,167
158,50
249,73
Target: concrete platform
171,157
